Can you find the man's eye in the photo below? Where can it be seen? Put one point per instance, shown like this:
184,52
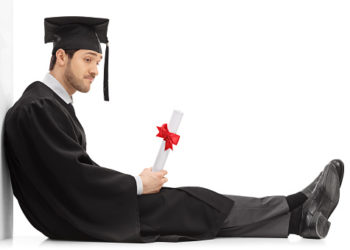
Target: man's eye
87,59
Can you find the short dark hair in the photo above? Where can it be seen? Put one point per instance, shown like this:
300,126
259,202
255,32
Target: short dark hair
69,52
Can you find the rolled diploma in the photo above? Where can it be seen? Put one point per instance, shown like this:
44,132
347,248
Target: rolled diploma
173,125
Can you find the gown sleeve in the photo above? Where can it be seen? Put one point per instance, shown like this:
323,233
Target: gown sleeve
95,200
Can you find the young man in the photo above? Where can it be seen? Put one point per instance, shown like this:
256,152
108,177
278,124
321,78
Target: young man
66,195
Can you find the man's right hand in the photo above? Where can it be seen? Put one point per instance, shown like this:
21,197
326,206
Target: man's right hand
152,181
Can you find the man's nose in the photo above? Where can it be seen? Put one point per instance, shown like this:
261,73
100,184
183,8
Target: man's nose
94,71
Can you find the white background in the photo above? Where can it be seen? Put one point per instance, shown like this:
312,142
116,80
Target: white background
6,91
264,87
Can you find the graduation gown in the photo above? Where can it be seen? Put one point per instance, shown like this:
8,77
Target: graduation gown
66,195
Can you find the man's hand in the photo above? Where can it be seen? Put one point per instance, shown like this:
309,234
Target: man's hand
152,181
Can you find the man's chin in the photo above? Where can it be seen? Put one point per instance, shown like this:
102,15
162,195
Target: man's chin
85,90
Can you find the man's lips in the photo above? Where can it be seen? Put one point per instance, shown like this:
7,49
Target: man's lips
90,78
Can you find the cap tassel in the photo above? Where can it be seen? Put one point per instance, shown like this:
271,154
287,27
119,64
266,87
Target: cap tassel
105,76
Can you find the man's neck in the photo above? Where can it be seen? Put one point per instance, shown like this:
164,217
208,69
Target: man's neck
59,77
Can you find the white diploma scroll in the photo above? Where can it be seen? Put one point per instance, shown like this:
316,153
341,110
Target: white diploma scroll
173,125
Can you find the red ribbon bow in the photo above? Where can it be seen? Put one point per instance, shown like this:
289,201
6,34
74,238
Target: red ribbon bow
169,138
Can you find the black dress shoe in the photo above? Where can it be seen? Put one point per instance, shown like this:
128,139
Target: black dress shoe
309,189
340,169
332,184
322,202
316,226
339,165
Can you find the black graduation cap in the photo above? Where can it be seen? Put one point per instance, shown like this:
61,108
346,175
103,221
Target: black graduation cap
78,32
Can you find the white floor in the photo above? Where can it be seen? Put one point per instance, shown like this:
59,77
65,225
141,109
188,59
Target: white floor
336,239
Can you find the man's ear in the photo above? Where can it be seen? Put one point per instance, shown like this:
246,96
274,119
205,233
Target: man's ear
61,57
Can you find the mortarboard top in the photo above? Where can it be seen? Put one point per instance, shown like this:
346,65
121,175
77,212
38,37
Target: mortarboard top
77,32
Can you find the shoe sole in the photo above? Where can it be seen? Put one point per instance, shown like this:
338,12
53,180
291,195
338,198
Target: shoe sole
340,172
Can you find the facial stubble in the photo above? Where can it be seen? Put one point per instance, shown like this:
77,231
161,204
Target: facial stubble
73,81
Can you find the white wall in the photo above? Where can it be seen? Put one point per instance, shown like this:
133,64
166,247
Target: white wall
6,100
264,87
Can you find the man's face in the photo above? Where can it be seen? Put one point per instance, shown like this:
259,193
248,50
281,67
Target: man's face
82,69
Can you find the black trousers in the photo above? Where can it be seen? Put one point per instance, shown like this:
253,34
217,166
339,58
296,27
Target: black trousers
257,217
249,217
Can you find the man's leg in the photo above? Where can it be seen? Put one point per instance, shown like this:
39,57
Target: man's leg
257,217
304,213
